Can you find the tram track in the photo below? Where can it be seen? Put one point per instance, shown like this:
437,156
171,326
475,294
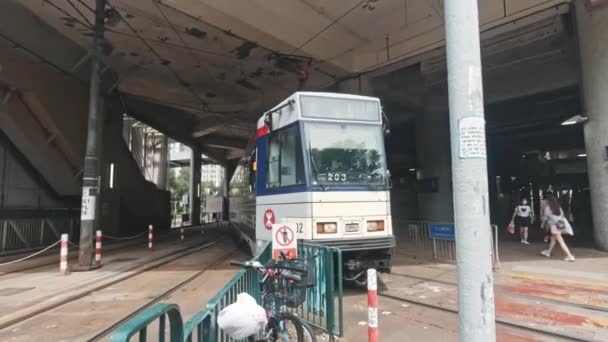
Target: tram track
160,297
499,321
34,311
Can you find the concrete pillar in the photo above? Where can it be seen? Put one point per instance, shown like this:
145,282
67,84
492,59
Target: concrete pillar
592,26
434,164
137,145
195,186
149,155
162,181
225,192
90,176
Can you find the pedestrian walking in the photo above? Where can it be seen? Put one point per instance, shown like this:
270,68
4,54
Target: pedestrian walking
543,205
554,218
523,217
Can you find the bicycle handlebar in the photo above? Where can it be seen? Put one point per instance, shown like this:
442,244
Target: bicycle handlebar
246,264
291,276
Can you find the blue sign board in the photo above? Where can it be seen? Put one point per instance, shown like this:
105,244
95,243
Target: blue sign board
441,231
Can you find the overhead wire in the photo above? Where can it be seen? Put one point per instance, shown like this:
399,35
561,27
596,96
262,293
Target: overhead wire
67,14
196,58
158,7
179,79
335,21
234,117
86,6
79,12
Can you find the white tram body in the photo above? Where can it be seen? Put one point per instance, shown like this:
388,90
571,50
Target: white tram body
318,161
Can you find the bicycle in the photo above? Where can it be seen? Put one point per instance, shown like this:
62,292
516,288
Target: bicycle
283,284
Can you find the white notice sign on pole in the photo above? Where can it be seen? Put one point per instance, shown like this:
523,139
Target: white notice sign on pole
472,137
87,209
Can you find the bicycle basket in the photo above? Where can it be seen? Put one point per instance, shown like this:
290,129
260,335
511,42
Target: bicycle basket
290,295
305,268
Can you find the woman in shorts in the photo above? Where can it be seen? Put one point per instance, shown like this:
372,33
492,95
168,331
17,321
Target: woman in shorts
523,217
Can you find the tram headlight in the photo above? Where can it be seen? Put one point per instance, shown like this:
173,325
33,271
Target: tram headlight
374,226
327,227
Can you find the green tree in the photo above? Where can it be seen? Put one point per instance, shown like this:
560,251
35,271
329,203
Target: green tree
209,188
179,183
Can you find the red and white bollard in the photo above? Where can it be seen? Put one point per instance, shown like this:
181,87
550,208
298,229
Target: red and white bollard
150,236
98,248
372,303
63,254
181,234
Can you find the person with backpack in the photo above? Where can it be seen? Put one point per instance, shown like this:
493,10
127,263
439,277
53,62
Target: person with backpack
553,217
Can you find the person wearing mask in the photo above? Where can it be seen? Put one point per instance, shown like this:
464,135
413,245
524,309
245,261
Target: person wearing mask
523,216
553,217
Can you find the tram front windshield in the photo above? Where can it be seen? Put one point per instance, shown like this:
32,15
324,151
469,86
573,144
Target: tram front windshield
345,154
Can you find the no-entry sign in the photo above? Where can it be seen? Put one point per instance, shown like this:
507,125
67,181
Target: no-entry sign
284,241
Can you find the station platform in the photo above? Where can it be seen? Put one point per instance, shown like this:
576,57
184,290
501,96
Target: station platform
537,299
39,303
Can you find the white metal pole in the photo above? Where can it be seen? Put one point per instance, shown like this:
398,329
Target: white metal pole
98,236
469,172
63,254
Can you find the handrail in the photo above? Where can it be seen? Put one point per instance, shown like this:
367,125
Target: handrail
139,324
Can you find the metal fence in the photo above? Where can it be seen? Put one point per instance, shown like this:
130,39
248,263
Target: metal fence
416,234
319,309
24,230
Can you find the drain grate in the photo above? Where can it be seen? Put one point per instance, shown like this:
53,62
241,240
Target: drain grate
9,291
124,259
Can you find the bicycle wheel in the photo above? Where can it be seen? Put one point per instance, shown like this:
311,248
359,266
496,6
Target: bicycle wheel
288,328
309,333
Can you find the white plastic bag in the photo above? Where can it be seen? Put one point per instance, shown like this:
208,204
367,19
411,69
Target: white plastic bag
242,318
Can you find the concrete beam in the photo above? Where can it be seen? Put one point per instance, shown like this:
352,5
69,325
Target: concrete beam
235,154
224,142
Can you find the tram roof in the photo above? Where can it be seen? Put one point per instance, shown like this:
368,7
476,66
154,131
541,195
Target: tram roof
290,109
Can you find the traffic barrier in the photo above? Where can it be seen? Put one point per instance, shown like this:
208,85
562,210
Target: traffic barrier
372,303
98,248
63,254
417,233
150,236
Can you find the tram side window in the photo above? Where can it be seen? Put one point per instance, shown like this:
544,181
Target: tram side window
285,161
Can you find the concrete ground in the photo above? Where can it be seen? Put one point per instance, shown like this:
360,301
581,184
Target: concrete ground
537,299
41,304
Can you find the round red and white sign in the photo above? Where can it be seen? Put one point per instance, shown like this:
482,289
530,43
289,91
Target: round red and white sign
269,219
284,236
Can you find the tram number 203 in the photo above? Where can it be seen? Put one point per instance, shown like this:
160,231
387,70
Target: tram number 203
336,177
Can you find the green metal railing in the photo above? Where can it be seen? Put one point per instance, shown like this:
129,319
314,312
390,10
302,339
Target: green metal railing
156,314
319,309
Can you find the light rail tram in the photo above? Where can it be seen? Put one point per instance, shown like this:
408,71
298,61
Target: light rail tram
318,161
